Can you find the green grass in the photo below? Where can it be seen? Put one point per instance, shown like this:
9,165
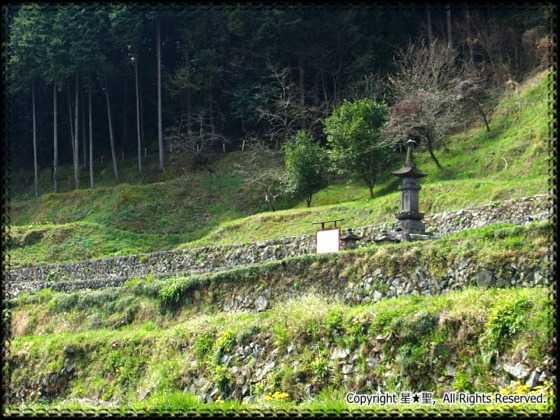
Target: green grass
135,348
43,244
510,161
435,198
177,206
189,207
154,300
117,365
127,342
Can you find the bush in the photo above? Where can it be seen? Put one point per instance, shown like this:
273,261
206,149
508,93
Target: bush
305,167
506,319
354,136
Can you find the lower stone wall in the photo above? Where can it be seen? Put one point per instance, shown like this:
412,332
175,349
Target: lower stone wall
361,278
521,211
367,281
113,271
354,277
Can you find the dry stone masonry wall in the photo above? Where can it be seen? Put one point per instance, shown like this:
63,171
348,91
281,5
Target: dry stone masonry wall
352,277
114,271
368,281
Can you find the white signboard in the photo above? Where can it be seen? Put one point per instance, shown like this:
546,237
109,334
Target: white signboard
328,240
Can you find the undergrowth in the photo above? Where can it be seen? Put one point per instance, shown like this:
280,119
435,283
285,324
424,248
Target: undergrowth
419,337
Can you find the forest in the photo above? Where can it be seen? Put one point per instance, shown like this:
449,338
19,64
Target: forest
95,83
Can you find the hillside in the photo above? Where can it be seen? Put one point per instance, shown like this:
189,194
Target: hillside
188,206
469,313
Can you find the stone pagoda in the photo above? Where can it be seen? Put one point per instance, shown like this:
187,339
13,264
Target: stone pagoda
409,225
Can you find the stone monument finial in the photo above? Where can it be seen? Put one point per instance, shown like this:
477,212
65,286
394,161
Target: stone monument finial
409,148
409,169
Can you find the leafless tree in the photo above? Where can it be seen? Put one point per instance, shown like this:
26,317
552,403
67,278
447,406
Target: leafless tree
508,54
197,140
278,106
424,92
269,179
160,119
371,86
448,27
477,92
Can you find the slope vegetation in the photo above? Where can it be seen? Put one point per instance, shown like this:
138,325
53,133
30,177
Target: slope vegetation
188,206
162,346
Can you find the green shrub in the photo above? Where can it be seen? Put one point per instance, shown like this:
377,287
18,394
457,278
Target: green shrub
320,367
203,345
463,382
224,343
170,294
305,167
505,320
222,377
67,302
334,320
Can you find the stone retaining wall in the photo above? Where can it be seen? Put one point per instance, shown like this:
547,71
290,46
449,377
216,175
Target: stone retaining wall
113,271
352,277
372,284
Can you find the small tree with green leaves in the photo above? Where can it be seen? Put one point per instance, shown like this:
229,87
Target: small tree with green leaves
305,167
357,147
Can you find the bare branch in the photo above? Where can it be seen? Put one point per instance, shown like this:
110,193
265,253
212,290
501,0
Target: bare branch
426,90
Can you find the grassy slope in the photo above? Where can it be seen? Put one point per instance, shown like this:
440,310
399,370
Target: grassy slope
139,339
125,359
125,219
474,173
119,363
196,207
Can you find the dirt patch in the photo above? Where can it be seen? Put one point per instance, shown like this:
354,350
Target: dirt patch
21,324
